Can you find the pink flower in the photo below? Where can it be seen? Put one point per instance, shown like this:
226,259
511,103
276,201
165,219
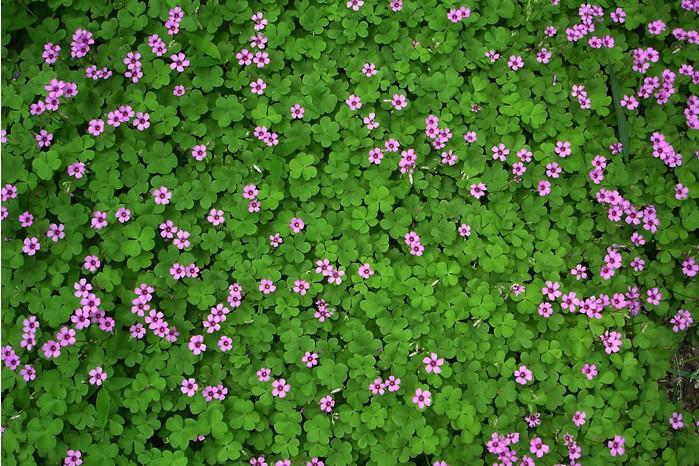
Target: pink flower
544,188
43,139
675,421
335,276
590,371
301,287
681,192
377,387
297,112
515,62
267,286
311,359
275,240
500,152
478,190
216,217
399,102
355,4
280,388
196,345
258,87
225,343
365,271
579,418
31,246
162,196
189,387
392,383
327,404
73,458
26,219
199,152
433,364
263,374
537,447
250,191
141,121
179,62
369,70
354,102
95,127
523,375
422,398
254,206
324,267
296,225
76,170
97,376
616,445
91,263
562,149
123,214
28,372
99,220
464,230
376,156
551,290
178,91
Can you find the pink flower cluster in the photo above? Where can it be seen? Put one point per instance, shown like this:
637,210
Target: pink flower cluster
179,237
322,312
213,321
268,137
611,341
55,90
634,216
51,52
178,271
80,46
157,45
93,73
439,136
681,321
334,276
214,392
664,150
250,192
154,319
379,386
456,15
235,295
499,445
174,17
134,72
29,327
691,111
599,42
642,59
9,357
413,241
579,91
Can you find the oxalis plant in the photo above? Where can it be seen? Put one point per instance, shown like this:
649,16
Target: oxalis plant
376,232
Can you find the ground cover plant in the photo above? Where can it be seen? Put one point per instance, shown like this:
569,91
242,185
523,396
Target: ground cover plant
349,233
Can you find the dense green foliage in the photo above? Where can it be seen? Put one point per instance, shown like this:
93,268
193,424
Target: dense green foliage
455,299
